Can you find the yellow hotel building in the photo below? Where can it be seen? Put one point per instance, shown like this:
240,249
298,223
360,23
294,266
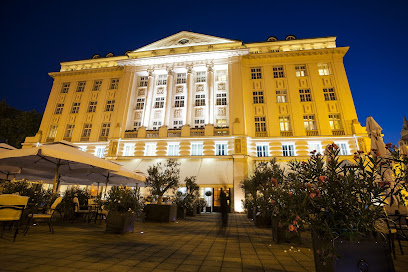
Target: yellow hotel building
214,104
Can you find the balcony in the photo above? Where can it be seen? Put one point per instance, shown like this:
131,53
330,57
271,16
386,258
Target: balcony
338,132
174,133
130,134
286,133
221,131
49,140
152,134
68,139
103,138
261,134
312,132
84,139
197,132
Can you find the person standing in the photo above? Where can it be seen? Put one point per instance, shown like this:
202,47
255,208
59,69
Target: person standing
224,209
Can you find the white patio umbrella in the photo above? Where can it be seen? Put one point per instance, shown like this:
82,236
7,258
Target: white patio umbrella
403,142
374,132
6,171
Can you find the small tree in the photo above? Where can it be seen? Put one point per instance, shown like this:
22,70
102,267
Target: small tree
162,177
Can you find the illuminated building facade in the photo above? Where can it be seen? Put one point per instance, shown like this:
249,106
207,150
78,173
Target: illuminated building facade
214,104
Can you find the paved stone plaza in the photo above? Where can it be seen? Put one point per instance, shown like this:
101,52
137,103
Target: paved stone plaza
195,244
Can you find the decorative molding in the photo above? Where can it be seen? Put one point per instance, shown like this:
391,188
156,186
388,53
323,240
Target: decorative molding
200,88
178,113
221,86
157,114
180,89
160,90
222,111
199,112
85,71
138,115
141,92
336,51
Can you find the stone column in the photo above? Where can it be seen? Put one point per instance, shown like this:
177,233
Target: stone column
169,98
149,98
189,96
210,107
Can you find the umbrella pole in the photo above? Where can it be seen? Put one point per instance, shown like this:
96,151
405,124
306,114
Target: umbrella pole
56,179
106,187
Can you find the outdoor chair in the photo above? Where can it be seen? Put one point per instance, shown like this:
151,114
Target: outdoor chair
78,212
47,217
11,211
392,233
101,214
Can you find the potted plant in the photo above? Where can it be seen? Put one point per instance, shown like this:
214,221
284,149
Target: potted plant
161,178
208,194
201,204
191,197
124,205
67,203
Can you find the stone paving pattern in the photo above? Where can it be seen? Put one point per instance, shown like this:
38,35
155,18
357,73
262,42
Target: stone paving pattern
195,244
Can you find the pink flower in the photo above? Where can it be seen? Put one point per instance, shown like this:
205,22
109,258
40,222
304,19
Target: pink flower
322,178
274,181
312,195
292,228
290,193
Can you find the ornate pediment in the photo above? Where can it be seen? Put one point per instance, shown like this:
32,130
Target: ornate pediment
184,39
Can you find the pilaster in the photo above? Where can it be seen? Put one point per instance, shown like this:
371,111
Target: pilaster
168,112
149,100
189,96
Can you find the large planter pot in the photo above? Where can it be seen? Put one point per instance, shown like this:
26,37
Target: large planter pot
281,234
207,209
192,211
160,213
181,212
120,223
370,254
261,221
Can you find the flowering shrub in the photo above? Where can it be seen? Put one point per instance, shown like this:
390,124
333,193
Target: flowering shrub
38,196
68,199
124,200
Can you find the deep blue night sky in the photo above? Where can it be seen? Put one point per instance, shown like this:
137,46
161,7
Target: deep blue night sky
38,35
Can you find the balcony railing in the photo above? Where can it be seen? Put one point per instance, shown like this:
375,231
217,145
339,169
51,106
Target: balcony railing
103,138
84,139
261,134
49,140
131,134
221,131
197,132
152,134
286,133
312,132
338,132
174,133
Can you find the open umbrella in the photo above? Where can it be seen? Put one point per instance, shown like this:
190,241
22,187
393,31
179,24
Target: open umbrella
403,142
7,171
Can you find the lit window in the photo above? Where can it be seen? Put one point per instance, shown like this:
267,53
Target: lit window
100,152
140,103
200,100
181,78
281,96
92,106
221,75
59,108
258,97
162,80
128,150
82,148
256,73
157,125
221,123
315,146
199,123
75,107
262,150
284,123
288,150
305,95
53,131
201,76
309,122
81,86
221,149
179,101
324,69
196,149
105,129
86,132
177,124
150,149
335,121
173,149
260,124
344,149
159,103
143,80
114,83
65,87
97,85
221,99
301,70
278,72
329,94
110,105
69,131
137,124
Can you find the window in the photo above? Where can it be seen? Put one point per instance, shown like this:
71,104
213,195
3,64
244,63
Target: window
256,73
262,150
329,94
201,77
315,146
260,124
143,80
278,72
344,150
305,95
140,103
59,108
221,149
86,132
284,123
69,131
196,149
150,149
324,69
335,121
200,100
100,152
300,70
173,149
177,124
181,78
221,99
53,131
97,85
258,97
157,125
110,105
129,150
137,124
114,83
162,80
309,122
281,96
75,107
92,106
82,148
199,123
81,86
221,75
105,129
221,123
288,150
179,101
159,104
65,87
